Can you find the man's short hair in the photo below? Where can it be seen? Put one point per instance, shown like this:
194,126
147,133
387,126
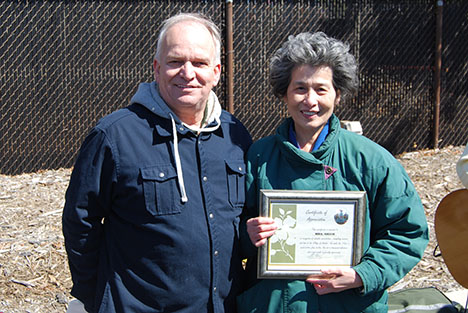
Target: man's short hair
192,17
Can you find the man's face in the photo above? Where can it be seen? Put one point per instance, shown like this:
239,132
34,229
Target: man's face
311,98
187,71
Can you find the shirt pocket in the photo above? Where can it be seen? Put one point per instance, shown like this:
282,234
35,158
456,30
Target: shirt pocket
236,182
160,189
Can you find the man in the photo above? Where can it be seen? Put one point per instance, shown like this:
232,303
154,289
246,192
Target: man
152,210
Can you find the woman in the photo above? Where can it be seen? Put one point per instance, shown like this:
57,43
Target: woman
312,73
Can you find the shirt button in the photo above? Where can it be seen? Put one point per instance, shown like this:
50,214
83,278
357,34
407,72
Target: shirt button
216,253
211,215
240,168
214,289
161,175
181,128
205,178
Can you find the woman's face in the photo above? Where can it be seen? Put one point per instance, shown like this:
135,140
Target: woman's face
310,99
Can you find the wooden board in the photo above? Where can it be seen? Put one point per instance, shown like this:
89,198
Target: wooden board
451,228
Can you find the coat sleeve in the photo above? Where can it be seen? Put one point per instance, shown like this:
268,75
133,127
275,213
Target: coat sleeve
87,202
399,232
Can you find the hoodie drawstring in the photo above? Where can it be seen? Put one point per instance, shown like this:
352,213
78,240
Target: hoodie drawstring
180,177
213,113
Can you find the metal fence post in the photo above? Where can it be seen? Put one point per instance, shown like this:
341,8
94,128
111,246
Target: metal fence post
437,69
229,58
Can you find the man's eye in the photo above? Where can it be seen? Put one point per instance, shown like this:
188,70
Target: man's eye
200,64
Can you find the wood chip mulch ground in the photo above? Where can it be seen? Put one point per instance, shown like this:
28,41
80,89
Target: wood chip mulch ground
34,275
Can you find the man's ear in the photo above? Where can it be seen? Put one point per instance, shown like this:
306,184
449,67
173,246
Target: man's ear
217,74
156,68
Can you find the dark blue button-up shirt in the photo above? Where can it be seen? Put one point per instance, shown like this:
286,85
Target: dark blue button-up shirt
133,245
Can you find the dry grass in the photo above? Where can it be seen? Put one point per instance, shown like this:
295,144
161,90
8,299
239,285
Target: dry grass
433,173
34,275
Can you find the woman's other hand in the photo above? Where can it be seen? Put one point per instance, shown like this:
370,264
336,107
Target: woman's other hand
260,229
335,280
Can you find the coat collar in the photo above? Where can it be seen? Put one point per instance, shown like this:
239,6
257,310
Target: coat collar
282,135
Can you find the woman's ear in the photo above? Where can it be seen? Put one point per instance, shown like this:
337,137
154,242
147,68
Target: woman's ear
338,97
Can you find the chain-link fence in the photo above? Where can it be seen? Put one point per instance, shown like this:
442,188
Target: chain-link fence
65,64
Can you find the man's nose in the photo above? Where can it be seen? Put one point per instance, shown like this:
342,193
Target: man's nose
188,70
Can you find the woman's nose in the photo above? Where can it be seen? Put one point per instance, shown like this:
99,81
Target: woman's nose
311,98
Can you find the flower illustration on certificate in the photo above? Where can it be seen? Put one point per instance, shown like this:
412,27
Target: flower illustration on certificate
282,243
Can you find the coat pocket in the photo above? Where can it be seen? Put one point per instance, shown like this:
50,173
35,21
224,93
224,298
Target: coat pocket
236,182
160,189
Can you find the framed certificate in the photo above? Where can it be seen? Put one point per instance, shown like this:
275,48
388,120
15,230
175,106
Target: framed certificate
316,229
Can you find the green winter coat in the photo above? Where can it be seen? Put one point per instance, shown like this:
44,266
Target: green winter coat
396,233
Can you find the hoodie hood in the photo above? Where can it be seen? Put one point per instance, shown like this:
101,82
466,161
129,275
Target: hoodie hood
148,96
